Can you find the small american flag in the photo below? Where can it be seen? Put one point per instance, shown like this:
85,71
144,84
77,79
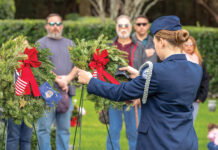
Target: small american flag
95,74
20,86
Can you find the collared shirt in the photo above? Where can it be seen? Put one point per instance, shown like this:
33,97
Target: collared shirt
144,42
127,48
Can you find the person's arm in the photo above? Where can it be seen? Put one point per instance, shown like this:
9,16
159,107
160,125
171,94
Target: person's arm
125,91
64,80
71,76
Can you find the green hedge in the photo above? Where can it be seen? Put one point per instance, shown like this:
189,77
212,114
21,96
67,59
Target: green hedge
34,29
207,41
7,9
207,38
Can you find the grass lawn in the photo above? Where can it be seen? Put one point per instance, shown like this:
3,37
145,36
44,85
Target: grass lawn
94,133
204,117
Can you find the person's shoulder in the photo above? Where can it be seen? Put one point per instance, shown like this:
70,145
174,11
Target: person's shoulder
43,39
133,36
66,39
146,66
114,39
150,69
135,40
150,38
194,65
69,41
160,68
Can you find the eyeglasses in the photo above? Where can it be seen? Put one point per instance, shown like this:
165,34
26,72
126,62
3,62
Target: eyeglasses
141,24
188,44
53,23
123,25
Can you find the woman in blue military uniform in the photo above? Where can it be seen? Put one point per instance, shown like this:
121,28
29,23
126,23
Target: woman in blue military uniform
167,89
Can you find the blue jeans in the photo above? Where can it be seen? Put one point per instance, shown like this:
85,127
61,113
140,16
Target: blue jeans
115,118
18,135
62,128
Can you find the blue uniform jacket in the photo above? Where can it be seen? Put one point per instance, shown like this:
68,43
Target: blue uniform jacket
166,118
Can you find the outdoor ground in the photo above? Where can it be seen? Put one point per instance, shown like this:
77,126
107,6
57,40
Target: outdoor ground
94,133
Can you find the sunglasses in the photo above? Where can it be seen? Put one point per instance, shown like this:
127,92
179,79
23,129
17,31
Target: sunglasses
141,24
123,25
188,44
53,23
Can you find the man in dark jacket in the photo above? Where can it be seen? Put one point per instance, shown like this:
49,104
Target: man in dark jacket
136,56
142,37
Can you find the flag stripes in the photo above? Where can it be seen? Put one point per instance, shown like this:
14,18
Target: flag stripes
20,86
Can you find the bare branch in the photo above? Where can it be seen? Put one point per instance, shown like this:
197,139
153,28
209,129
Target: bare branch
127,8
210,10
149,6
114,8
139,9
101,7
131,8
136,6
95,6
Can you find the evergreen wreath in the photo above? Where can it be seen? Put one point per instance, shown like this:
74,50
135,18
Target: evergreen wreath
82,55
13,106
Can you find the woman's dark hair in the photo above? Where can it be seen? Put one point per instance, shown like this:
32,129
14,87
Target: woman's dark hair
141,16
52,15
211,126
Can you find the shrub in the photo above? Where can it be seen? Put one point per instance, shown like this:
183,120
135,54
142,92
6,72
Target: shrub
207,41
7,9
90,28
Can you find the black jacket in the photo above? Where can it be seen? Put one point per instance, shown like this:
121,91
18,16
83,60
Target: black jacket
150,44
204,86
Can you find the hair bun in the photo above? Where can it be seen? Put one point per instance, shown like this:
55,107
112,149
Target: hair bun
182,35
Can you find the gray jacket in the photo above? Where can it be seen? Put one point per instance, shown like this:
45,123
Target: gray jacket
149,44
138,54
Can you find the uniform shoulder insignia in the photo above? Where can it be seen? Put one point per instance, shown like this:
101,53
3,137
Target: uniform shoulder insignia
146,74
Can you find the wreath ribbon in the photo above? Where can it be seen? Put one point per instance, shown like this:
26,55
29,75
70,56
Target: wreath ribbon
26,72
99,62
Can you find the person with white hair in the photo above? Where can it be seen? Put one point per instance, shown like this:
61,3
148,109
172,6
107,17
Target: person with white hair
136,54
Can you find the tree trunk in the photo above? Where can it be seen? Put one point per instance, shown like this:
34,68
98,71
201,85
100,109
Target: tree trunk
84,8
114,8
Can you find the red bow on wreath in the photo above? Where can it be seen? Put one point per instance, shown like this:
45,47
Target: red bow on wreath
99,61
26,72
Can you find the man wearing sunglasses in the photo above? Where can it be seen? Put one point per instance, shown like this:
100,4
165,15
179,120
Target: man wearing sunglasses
141,36
65,72
124,42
